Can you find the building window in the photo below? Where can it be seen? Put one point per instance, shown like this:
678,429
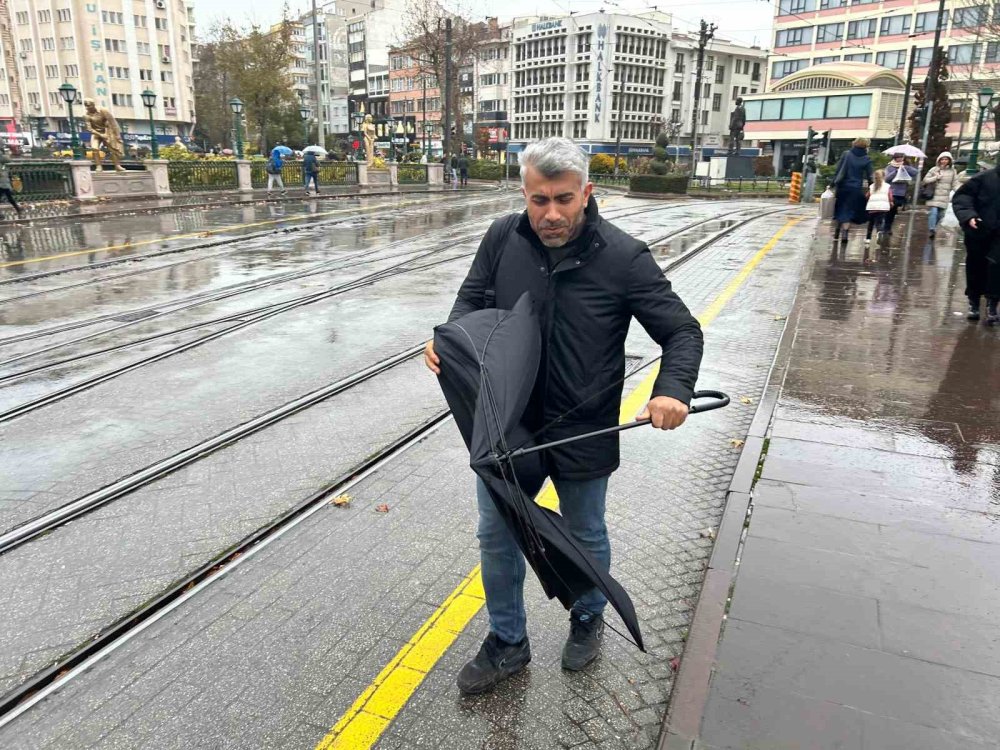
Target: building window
736,91
969,18
67,42
676,96
114,45
30,71
164,50
44,16
116,71
859,57
51,71
755,76
891,25
929,21
793,37
26,45
161,24
704,117
48,43
826,59
139,21
22,17
829,32
122,100
964,54
788,7
828,4
861,29
34,98
923,57
993,52
717,102
112,16
64,14
720,73
142,48
787,67
71,71
895,59
490,79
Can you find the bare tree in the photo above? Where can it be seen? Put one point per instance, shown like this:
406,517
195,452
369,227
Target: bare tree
423,35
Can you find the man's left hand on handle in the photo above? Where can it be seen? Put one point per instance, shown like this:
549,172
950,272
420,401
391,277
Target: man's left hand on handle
666,413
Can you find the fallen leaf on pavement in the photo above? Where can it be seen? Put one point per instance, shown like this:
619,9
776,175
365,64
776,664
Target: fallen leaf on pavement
382,508
780,317
736,443
745,400
707,533
341,500
675,663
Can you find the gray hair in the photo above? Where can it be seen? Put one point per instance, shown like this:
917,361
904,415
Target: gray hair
553,157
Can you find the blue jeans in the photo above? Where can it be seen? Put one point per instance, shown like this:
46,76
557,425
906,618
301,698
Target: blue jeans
933,216
503,565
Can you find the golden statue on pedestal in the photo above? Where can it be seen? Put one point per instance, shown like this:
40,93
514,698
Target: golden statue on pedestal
104,129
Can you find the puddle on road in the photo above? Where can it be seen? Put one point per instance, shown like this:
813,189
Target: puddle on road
677,246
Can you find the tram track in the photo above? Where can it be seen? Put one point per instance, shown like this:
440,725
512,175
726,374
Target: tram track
111,637
141,316
280,228
233,322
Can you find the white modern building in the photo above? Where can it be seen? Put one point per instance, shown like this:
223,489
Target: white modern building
329,100
569,74
492,77
110,51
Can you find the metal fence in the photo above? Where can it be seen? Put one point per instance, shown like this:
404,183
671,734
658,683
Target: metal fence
608,179
412,174
330,173
188,176
42,180
776,185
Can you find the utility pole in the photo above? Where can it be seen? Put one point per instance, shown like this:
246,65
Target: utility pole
932,78
423,119
704,37
906,96
320,134
447,90
621,116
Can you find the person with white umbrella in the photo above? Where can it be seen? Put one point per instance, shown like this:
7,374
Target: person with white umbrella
899,175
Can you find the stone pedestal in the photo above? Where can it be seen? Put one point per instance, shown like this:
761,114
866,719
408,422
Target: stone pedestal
393,174
83,185
435,174
129,184
243,179
362,173
161,178
731,167
378,177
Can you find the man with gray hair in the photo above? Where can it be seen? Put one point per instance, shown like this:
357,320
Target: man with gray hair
587,280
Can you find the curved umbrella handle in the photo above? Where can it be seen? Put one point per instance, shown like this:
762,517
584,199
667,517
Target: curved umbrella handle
719,399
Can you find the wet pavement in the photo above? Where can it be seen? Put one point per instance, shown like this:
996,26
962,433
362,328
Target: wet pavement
273,653
868,589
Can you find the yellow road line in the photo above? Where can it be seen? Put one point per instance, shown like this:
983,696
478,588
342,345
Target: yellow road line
203,233
381,702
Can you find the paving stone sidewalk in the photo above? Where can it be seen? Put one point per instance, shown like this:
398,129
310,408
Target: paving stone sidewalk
865,607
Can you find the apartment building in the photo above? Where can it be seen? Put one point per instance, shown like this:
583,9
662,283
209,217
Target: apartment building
890,34
492,79
587,77
372,29
327,98
111,51
415,100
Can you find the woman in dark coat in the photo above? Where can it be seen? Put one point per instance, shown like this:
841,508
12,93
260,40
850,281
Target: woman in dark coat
977,208
853,169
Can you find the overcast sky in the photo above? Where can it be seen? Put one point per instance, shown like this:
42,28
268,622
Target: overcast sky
747,21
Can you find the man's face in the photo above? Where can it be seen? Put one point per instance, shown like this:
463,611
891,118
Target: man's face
555,206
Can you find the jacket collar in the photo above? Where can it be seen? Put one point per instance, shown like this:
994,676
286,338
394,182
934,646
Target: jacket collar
590,239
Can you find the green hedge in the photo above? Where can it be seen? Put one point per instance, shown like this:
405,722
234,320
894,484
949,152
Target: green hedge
654,183
482,169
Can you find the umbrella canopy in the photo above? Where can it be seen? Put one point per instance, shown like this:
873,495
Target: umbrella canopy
489,360
283,150
906,150
315,149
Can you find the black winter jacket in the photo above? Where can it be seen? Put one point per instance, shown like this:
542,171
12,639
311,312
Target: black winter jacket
979,198
585,305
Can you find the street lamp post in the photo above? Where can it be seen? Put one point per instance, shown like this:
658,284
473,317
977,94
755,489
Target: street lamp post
236,104
985,100
304,114
68,93
391,130
401,133
149,99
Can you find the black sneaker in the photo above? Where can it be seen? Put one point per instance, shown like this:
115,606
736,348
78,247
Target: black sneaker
973,313
495,662
584,642
992,317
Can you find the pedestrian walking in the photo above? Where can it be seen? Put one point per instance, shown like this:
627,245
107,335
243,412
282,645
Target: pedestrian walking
453,164
942,179
587,279
977,208
879,203
900,176
274,166
6,186
310,169
853,170
463,169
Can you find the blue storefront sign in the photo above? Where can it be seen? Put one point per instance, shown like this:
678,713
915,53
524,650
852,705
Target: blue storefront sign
130,139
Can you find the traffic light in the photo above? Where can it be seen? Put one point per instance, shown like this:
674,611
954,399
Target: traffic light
453,131
809,138
919,115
